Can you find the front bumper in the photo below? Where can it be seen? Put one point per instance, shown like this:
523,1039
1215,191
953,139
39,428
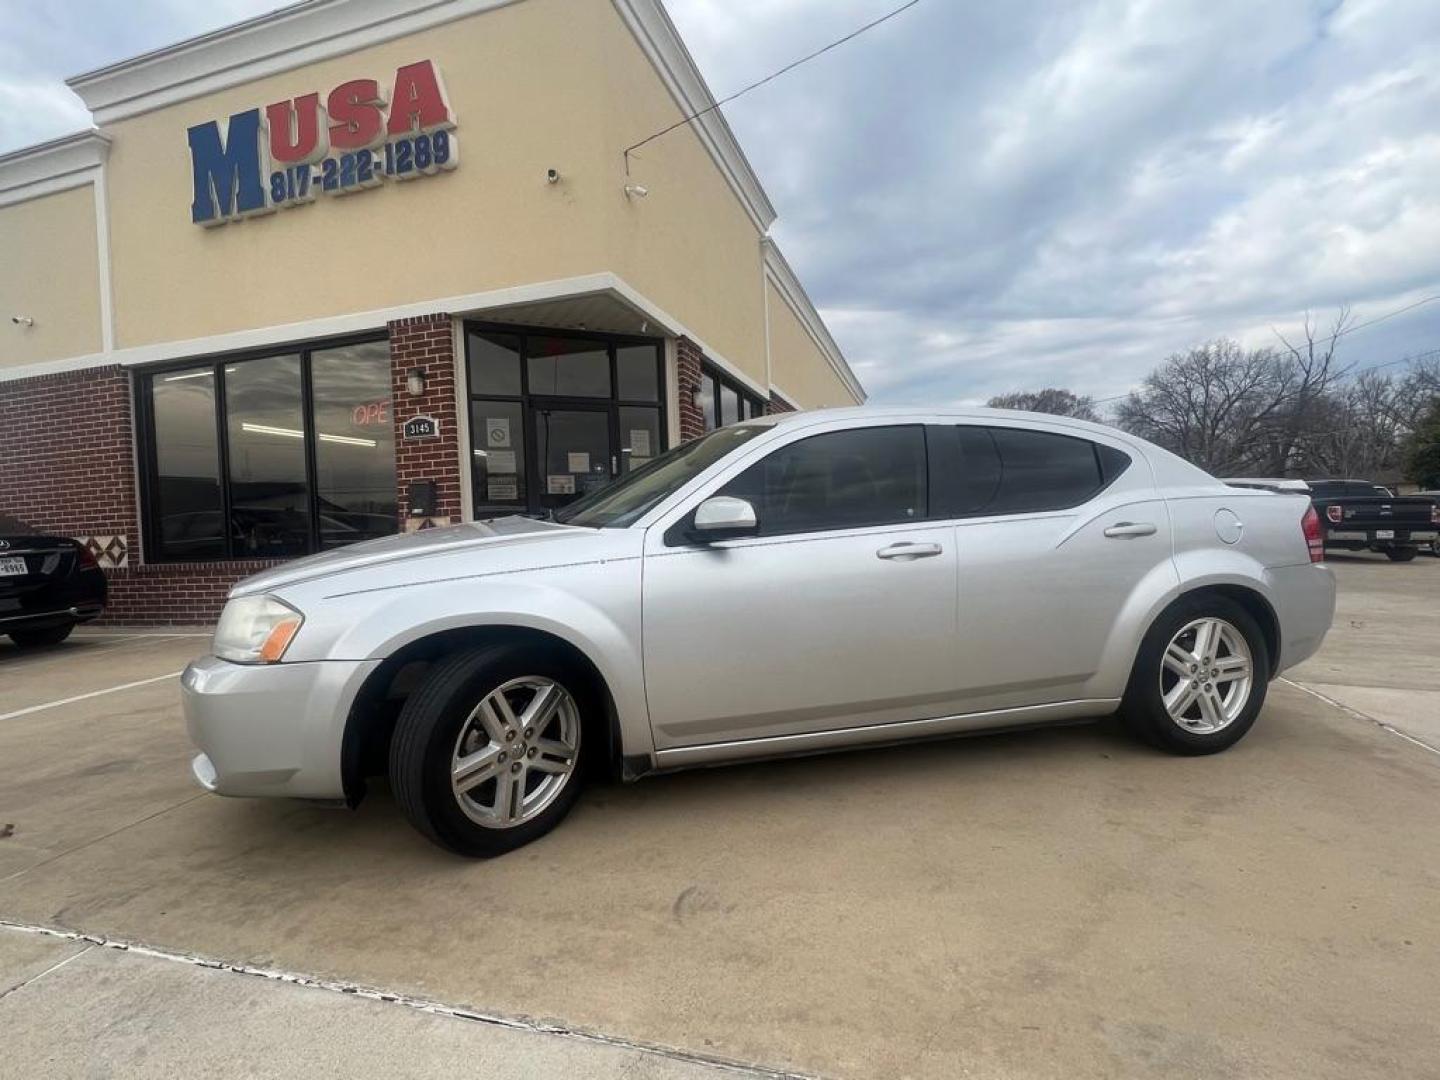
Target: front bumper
1304,601
270,729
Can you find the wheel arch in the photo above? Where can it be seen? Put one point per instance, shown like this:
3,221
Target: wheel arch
365,746
1256,605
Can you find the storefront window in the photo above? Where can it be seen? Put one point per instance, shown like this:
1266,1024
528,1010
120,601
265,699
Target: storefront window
185,496
556,415
354,442
724,399
271,456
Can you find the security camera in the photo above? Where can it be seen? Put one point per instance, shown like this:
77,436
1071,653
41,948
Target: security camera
552,176
636,191
22,320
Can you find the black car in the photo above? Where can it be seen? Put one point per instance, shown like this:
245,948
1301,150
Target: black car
48,585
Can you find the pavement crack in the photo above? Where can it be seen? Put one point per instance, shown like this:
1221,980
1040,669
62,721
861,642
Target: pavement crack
41,974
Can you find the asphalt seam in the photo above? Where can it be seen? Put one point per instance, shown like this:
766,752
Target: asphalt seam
1358,715
41,974
394,997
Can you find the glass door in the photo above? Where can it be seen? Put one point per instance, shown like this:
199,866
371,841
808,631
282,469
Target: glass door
574,453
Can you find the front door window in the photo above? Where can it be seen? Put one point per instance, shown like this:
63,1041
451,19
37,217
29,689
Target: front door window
572,447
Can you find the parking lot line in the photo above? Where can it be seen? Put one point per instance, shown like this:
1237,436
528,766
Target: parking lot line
85,697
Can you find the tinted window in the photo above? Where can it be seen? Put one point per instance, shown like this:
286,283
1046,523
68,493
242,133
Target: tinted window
568,367
494,361
841,480
269,494
1112,462
637,368
1043,471
354,442
977,470
186,500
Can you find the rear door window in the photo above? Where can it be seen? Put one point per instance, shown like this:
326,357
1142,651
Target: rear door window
997,470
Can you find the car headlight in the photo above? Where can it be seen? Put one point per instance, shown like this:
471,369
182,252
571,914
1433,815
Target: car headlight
256,630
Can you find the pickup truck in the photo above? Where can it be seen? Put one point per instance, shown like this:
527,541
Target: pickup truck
1358,516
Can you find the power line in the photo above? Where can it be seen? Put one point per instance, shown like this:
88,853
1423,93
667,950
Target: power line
1341,333
768,78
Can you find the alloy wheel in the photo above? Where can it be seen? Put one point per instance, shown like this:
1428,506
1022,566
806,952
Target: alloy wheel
1206,676
515,753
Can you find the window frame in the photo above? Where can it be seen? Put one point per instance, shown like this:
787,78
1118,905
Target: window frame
720,381
147,445
946,492
526,401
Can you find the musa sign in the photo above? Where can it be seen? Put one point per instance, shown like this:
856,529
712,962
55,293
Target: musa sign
295,149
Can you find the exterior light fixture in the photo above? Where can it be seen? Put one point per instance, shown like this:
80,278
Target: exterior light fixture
22,320
636,191
415,382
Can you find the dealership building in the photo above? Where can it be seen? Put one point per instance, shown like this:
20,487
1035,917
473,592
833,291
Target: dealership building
362,266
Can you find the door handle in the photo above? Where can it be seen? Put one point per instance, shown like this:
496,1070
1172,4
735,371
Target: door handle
1131,528
906,550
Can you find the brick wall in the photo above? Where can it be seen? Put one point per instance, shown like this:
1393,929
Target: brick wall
67,458
688,359
426,342
777,404
174,594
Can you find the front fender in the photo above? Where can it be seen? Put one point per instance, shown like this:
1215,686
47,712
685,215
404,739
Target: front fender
598,613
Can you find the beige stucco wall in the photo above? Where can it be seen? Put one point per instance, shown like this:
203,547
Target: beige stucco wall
535,85
797,366
50,271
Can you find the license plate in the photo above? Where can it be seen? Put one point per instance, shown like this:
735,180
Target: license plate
1337,534
12,567
1384,534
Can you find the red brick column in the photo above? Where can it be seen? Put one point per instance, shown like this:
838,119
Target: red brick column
688,358
426,342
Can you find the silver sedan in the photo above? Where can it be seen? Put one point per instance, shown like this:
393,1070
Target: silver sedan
788,585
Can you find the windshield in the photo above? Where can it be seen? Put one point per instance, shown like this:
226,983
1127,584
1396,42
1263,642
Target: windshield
628,499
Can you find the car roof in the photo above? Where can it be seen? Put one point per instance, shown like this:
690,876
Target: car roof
921,412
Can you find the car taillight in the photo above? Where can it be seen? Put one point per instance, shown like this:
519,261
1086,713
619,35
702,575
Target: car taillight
1314,539
1435,513
1335,513
87,559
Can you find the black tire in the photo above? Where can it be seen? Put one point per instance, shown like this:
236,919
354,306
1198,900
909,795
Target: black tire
1143,711
41,638
1401,554
430,723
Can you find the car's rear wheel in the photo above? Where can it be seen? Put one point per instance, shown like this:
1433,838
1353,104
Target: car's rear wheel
1401,554
39,638
1200,677
487,751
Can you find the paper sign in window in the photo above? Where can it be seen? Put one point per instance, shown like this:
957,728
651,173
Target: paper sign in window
560,484
639,443
502,490
500,461
497,431
578,462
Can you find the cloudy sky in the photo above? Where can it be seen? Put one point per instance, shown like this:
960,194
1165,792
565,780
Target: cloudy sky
989,196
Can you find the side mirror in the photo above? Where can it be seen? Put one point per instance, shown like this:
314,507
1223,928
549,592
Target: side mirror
723,518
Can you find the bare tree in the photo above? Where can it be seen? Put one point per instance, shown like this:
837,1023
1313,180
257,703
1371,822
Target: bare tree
1309,372
1051,400
1210,405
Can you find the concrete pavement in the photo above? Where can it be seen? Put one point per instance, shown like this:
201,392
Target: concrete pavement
1058,903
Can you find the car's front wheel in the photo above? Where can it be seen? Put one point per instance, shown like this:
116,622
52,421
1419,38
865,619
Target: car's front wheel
37,639
1404,554
1200,677
487,751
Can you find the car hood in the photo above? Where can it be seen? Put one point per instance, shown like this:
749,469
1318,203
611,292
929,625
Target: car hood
507,532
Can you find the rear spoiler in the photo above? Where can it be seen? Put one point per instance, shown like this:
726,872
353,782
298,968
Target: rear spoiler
1296,487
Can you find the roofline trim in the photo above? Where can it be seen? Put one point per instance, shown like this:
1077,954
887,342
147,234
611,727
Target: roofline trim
57,165
779,273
